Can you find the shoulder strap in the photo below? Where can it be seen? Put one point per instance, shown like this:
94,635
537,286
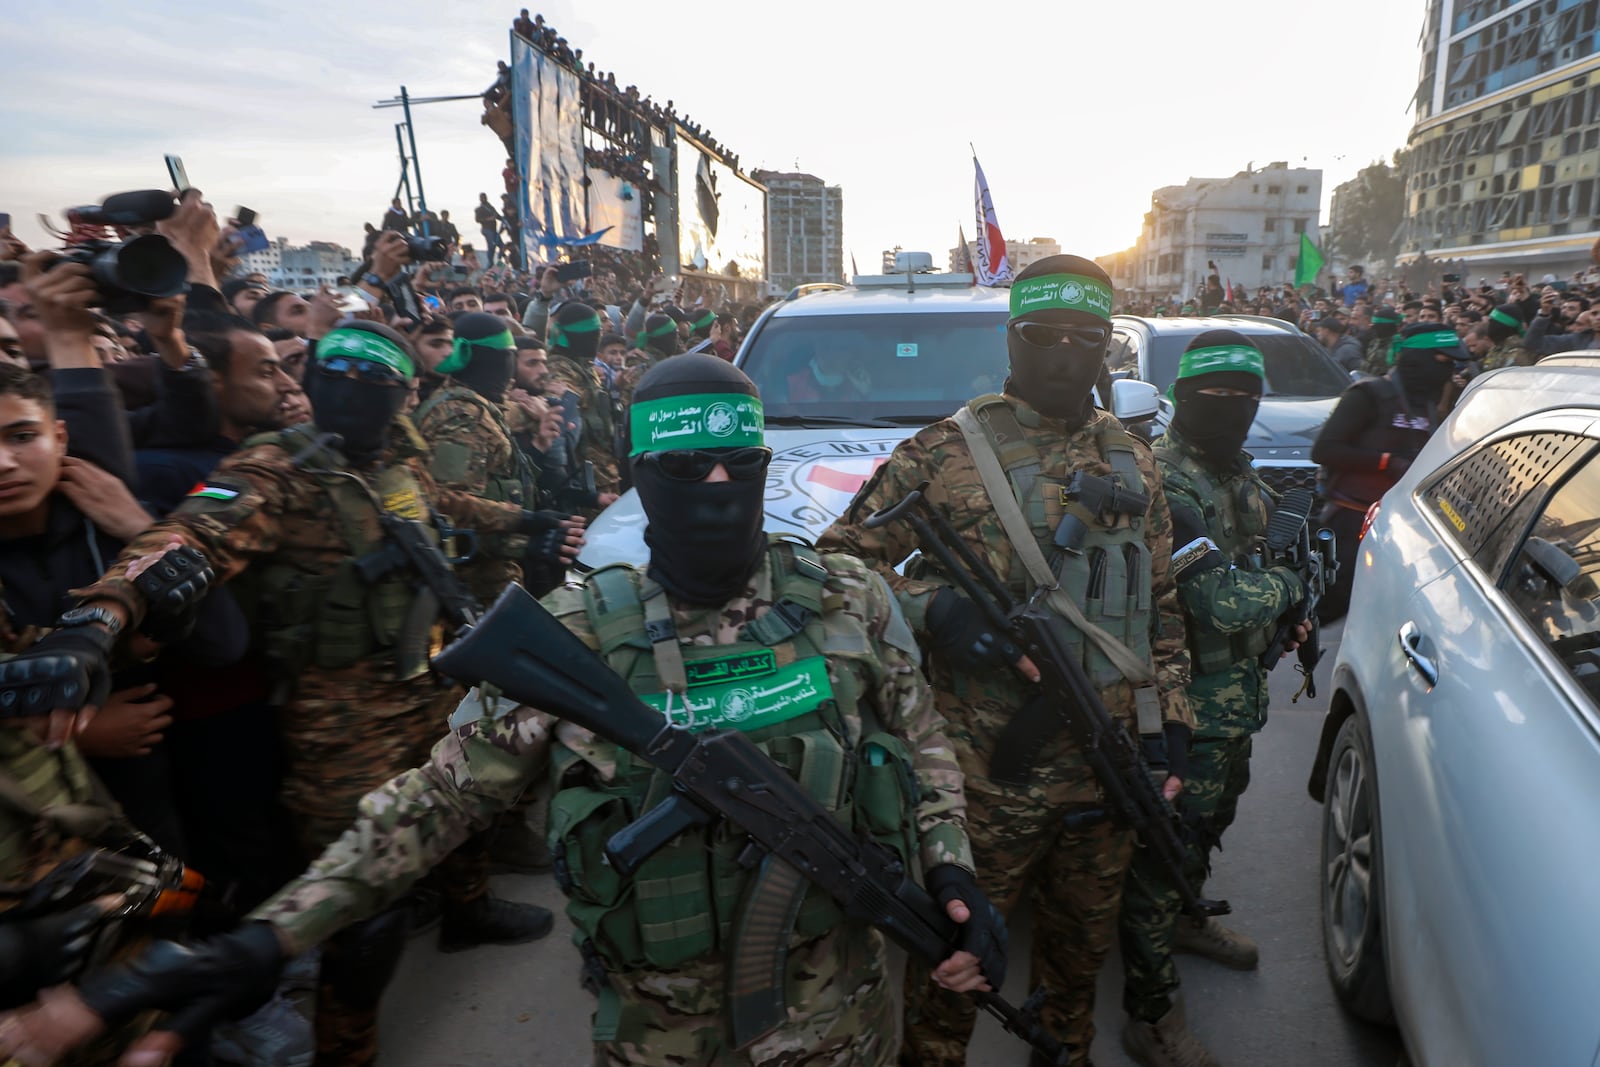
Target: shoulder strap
1017,530
1016,454
614,607
797,579
662,633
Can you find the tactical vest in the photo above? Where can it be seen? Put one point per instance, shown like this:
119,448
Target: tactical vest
507,488
1109,577
1235,514
595,407
336,619
774,686
1395,429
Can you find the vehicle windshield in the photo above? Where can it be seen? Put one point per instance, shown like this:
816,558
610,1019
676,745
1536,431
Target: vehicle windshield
893,368
1296,366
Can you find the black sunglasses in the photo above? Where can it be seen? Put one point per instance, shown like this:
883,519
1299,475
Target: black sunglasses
693,464
364,370
1047,335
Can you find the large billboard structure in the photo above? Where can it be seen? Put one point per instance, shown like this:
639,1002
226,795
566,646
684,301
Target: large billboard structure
596,167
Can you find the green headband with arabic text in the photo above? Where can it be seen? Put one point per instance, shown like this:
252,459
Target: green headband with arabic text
461,352
1505,319
1061,292
1432,339
368,346
696,420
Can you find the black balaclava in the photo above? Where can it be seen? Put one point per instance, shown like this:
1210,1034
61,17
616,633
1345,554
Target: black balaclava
660,335
575,330
1217,425
1422,376
1504,322
1058,381
700,325
706,539
485,355
361,413
1385,322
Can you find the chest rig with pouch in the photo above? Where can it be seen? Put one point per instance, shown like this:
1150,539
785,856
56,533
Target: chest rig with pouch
1097,574
773,684
336,618
1235,513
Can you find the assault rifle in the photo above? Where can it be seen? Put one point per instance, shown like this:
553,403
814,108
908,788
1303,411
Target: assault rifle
721,776
1290,544
406,545
1110,750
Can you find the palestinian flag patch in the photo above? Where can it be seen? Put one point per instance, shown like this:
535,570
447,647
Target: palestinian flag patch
213,492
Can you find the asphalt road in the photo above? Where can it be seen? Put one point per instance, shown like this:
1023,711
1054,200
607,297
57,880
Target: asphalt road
522,1007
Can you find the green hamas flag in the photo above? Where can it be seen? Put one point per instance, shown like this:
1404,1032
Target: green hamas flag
1310,264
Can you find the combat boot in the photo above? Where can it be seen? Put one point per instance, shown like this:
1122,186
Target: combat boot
492,921
1216,942
1166,1042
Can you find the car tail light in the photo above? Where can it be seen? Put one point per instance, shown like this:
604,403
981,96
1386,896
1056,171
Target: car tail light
1366,523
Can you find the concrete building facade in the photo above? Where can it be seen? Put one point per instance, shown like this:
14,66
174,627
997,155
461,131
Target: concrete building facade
300,268
805,228
1503,164
1249,225
1020,253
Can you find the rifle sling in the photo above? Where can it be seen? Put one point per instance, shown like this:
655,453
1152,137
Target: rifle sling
1018,532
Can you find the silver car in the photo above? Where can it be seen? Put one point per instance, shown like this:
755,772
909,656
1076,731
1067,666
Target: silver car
1459,766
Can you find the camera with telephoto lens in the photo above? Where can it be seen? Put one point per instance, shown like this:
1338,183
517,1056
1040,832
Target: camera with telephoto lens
427,249
128,271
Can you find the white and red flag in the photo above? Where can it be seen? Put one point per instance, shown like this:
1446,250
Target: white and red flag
991,266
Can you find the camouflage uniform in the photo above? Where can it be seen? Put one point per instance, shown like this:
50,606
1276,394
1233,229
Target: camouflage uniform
1508,353
472,451
839,1006
1377,361
1019,836
594,405
1234,606
348,723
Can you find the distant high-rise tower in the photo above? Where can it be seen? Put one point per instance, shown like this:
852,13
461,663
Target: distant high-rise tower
805,228
1503,165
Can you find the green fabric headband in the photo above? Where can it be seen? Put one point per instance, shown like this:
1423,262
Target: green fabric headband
1216,358
1067,292
460,355
1386,320
704,321
559,330
362,344
697,420
1432,339
1505,320
662,330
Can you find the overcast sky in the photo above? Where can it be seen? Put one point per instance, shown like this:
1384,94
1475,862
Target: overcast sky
1078,109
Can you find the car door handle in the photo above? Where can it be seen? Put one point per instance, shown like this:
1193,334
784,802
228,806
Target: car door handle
1410,642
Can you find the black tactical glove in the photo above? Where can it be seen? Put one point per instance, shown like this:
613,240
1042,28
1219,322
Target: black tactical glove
225,977
173,587
963,638
538,522
65,669
984,932
44,951
1177,737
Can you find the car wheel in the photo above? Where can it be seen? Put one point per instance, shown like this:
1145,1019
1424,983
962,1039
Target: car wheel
1352,877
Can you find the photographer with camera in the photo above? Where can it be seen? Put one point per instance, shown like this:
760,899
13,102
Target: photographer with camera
1552,331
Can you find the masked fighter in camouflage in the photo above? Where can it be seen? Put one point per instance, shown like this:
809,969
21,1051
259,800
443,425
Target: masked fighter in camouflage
1231,606
717,594
1028,786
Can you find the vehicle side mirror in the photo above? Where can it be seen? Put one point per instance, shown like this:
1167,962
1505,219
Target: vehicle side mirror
1133,401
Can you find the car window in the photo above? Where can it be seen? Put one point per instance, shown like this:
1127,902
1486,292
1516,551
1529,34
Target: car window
1122,354
1296,365
1554,580
1486,499
896,366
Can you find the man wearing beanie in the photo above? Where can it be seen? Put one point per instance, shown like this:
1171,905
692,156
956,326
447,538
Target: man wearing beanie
292,511
1380,349
1375,431
1219,508
806,653
574,342
1505,326
1024,774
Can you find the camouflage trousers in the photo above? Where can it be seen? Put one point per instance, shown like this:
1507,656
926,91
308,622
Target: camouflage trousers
1219,773
339,752
1024,841
840,1012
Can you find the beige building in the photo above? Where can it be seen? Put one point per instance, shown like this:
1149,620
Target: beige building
1020,253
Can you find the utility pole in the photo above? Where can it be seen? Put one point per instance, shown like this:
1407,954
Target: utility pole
411,167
